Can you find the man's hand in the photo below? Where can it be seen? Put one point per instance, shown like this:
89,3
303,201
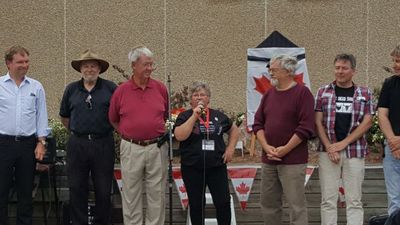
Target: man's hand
396,154
271,152
336,147
281,151
334,157
40,151
394,143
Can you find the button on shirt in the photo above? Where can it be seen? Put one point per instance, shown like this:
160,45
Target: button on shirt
325,102
88,111
23,109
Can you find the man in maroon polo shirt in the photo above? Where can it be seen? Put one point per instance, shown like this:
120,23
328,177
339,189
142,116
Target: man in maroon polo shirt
138,110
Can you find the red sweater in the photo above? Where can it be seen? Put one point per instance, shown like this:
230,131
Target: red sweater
282,114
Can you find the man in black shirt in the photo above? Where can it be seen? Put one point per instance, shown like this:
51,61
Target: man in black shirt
389,122
90,149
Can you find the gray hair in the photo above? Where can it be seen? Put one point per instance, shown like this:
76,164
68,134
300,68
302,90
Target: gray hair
396,51
347,57
136,52
286,62
199,85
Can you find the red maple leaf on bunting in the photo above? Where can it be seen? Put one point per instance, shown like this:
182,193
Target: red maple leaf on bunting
242,189
299,78
182,188
117,174
262,84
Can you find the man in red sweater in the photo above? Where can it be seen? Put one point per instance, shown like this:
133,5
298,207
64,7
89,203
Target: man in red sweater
283,123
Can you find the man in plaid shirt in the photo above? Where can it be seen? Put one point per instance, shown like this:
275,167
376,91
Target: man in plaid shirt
343,114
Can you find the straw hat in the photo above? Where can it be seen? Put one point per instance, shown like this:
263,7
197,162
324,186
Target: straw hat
89,55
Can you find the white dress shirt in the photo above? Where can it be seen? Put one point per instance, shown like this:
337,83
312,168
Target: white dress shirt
23,109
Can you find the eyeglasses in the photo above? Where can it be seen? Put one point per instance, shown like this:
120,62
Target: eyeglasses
88,101
151,65
199,95
274,70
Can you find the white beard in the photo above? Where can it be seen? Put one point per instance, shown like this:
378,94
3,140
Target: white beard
274,82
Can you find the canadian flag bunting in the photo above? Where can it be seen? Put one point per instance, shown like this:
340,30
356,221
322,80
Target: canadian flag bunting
180,186
309,172
342,199
118,178
242,179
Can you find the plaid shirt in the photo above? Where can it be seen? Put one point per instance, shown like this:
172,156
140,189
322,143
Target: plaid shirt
325,102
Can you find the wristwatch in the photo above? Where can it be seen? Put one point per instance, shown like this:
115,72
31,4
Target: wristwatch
43,142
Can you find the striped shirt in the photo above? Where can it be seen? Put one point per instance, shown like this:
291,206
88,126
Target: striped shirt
325,102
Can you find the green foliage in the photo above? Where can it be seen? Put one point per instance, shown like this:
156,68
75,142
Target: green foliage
59,132
375,135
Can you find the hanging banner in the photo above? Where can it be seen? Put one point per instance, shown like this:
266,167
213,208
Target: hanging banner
242,179
180,186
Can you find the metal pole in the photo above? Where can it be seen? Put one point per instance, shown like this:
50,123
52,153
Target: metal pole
170,153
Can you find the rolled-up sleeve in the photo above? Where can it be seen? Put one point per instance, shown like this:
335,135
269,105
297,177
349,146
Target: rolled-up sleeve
41,115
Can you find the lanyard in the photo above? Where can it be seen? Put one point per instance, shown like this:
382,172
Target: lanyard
207,123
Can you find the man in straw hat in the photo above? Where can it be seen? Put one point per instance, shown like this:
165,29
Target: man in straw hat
138,110
23,119
90,148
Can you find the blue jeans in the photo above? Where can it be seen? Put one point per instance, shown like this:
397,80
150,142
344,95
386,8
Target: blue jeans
391,168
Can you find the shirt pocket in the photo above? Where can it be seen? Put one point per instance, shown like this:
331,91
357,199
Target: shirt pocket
359,108
28,103
325,103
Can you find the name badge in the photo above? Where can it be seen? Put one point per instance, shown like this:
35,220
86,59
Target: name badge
208,145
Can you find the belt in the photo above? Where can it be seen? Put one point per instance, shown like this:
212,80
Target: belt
17,137
142,143
90,136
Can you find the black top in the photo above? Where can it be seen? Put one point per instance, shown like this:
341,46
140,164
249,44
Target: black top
390,98
344,110
191,148
88,111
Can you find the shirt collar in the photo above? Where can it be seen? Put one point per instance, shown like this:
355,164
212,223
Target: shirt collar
150,84
96,86
7,78
333,85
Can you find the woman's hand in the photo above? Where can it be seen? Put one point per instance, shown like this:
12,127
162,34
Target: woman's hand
228,155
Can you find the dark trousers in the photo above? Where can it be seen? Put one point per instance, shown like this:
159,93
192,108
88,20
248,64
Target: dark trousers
17,160
216,179
94,157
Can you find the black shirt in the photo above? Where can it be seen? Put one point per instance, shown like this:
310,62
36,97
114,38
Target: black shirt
191,148
88,111
390,98
344,110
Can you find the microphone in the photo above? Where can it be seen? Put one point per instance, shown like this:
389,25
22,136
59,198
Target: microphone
201,104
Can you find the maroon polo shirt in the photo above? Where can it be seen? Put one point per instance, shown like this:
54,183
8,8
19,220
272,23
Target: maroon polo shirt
140,114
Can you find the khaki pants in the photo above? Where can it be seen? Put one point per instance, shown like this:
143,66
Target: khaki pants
287,180
143,167
352,171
